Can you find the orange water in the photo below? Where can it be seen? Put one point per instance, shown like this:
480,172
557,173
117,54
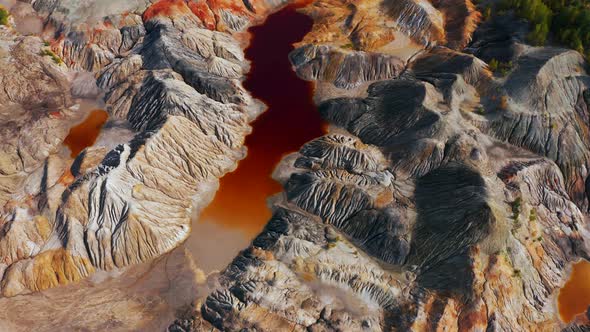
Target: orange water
574,297
290,121
84,134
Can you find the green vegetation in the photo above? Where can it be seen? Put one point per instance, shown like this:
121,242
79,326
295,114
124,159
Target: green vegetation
348,46
534,11
500,68
533,215
493,65
516,207
516,214
53,56
4,14
332,242
569,20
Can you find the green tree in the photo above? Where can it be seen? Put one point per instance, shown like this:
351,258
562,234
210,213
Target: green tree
568,19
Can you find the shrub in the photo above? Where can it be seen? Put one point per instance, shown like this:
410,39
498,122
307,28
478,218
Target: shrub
494,65
53,56
533,215
516,207
500,68
4,14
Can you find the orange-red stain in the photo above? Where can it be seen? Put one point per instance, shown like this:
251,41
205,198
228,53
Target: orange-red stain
84,134
208,11
56,115
204,10
165,8
204,13
290,121
574,297
230,5
66,178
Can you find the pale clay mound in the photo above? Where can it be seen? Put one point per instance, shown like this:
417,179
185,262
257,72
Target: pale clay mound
443,198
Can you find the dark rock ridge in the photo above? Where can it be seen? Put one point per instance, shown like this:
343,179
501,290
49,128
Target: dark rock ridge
443,197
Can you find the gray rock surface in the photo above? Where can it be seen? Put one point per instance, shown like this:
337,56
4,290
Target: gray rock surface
438,188
443,197
172,79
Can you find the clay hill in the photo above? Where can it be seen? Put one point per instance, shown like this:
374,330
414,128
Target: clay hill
445,195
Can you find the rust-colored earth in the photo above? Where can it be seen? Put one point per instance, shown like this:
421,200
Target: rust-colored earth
574,297
290,121
84,134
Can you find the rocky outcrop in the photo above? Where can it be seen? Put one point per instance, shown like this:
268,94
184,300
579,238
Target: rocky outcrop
144,297
344,69
546,112
443,197
35,106
424,214
104,210
451,224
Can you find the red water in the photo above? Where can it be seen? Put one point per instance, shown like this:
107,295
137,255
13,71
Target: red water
84,134
574,297
290,121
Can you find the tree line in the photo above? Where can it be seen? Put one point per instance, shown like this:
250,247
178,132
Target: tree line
568,20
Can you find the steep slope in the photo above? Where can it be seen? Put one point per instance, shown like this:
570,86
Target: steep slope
174,79
426,207
443,197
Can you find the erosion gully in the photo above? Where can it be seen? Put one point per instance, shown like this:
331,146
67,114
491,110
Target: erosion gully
290,121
